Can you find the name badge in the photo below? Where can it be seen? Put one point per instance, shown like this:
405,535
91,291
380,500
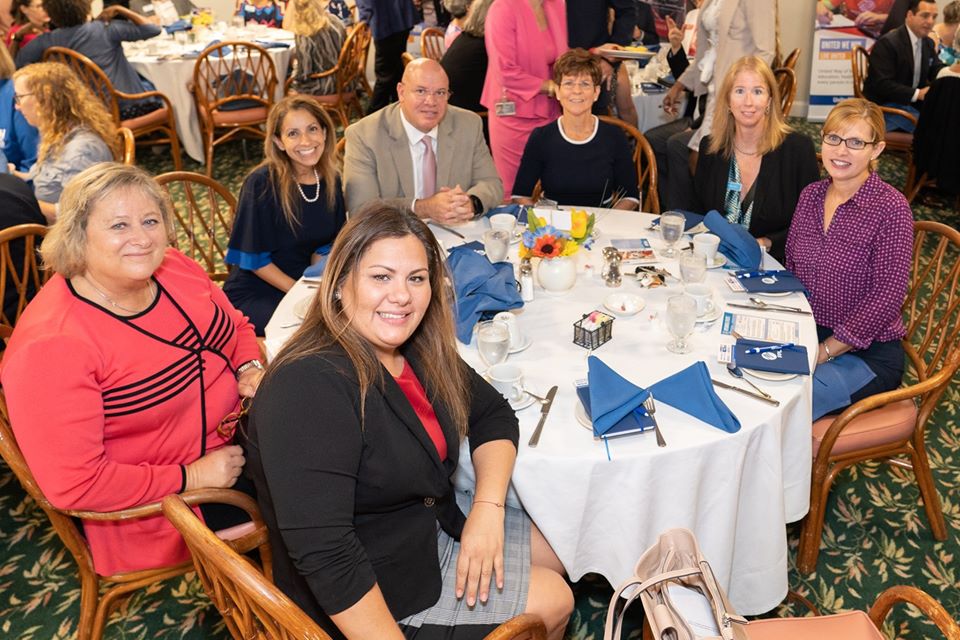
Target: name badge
505,108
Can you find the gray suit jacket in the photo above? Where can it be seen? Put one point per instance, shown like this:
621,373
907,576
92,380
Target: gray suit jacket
377,162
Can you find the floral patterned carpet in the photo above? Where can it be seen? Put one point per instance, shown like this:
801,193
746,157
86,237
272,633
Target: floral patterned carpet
876,534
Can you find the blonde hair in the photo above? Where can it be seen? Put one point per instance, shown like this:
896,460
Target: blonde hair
775,127
433,343
7,67
282,176
65,103
64,248
312,16
848,112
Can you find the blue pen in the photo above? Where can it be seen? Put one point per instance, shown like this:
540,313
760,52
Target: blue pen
772,347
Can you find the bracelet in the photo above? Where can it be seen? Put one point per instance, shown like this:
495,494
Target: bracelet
830,356
496,504
249,364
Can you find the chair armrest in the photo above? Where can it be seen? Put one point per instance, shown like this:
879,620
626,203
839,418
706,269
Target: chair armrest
921,600
526,623
192,498
145,94
893,111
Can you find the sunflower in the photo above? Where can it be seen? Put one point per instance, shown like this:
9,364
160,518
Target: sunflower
548,246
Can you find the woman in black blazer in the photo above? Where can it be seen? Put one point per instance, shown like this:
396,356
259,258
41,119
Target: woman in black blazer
354,438
752,167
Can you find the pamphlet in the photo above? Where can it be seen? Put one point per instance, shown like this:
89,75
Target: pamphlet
760,328
634,250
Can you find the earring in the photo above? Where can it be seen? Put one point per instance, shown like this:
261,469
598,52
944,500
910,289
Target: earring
336,294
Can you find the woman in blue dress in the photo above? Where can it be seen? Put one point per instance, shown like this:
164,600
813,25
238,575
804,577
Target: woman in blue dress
290,209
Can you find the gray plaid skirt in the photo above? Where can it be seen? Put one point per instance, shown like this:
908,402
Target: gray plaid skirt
452,619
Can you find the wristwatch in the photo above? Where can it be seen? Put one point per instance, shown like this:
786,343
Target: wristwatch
249,364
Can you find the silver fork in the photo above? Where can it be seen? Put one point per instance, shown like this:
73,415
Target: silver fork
651,408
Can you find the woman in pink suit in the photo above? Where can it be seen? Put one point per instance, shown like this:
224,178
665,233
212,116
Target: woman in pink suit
523,38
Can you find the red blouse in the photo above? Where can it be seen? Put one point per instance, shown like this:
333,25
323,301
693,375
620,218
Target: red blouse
412,388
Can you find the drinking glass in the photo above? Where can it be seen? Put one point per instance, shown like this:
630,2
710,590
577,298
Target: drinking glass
672,224
496,244
681,319
493,341
693,268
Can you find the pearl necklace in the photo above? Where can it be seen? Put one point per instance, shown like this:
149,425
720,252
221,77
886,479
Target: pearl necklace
316,176
113,302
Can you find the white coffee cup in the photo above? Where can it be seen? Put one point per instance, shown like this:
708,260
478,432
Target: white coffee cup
504,221
513,326
508,380
702,295
706,245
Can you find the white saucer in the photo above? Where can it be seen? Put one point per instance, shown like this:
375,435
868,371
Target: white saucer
718,261
624,304
523,345
523,402
582,417
710,316
772,376
769,294
301,307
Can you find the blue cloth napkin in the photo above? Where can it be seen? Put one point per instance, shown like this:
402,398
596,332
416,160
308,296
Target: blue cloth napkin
480,287
692,392
518,211
315,270
736,243
613,403
773,281
791,360
226,51
692,220
836,380
267,44
179,25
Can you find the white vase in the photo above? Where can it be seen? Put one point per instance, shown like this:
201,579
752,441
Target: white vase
557,275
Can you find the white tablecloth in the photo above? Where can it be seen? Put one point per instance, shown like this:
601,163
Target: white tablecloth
735,491
157,60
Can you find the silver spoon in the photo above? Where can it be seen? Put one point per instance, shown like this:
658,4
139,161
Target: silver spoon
737,372
762,304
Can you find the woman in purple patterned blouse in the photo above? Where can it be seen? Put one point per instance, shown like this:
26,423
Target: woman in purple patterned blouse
850,243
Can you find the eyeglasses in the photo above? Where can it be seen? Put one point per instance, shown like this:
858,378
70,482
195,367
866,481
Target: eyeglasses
18,97
856,144
228,426
583,85
439,94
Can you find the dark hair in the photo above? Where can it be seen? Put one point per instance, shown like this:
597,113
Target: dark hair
67,13
578,62
912,5
433,343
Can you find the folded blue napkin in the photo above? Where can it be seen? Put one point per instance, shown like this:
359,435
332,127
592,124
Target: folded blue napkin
315,270
179,25
692,392
614,404
790,360
226,51
772,281
267,44
736,243
836,380
479,287
518,211
692,220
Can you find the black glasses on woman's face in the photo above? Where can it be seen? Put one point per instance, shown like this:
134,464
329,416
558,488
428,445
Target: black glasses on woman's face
18,97
856,144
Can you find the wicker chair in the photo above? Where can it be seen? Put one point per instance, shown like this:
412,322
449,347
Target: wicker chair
19,268
894,423
646,164
156,127
126,146
431,43
787,83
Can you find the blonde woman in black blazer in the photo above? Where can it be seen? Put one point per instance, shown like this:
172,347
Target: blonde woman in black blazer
354,438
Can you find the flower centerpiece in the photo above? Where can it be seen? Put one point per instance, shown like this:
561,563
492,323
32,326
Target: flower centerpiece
557,271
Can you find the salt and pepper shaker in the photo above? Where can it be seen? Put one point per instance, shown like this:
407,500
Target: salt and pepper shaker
611,267
526,280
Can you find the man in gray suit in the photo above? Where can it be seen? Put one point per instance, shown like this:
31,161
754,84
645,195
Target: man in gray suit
422,153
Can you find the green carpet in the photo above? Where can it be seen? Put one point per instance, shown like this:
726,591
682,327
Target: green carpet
876,532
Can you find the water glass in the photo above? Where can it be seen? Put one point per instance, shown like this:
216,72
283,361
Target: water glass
693,268
493,341
681,319
496,244
672,224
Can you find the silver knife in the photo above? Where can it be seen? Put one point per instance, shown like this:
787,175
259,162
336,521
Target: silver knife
746,392
447,229
544,410
771,308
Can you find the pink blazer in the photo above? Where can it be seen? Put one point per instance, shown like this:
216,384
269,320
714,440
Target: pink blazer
521,56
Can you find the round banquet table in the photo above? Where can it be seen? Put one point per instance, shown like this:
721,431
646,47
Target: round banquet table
169,64
736,492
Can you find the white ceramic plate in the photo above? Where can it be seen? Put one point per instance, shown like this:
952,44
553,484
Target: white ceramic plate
778,294
772,376
718,261
711,315
582,417
523,402
301,307
624,304
526,342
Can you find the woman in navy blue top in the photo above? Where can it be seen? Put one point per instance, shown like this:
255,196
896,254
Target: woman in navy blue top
290,210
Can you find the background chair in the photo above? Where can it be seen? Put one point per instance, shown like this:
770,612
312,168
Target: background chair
126,146
347,73
431,43
790,62
234,84
894,423
252,607
364,38
20,273
94,605
646,164
156,127
203,211
787,82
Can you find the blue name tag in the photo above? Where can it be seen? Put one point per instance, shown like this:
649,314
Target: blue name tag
734,186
